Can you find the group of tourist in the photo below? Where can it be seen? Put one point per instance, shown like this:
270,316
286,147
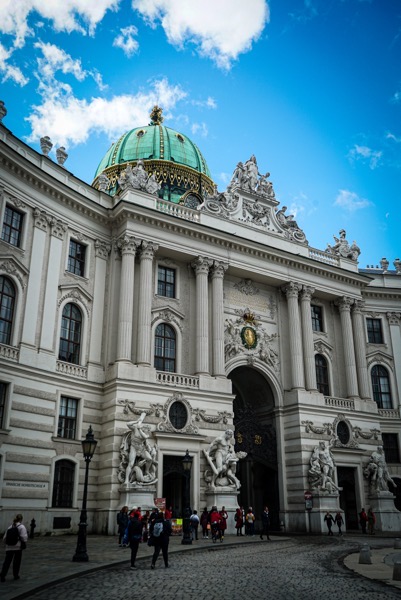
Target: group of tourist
367,521
217,521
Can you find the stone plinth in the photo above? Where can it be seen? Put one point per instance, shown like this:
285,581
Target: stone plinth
321,504
138,496
224,496
388,518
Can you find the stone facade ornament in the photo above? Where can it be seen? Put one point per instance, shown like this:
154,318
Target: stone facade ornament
247,287
290,226
45,145
321,469
342,247
136,178
384,263
256,213
397,265
61,155
103,182
376,471
167,424
224,204
138,464
246,335
3,110
222,460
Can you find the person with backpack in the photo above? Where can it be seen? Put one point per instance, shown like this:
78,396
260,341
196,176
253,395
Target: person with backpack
134,536
160,531
194,522
15,539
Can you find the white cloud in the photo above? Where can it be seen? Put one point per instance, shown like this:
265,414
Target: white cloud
70,121
208,103
366,155
393,138
66,15
10,71
126,40
220,30
350,201
199,129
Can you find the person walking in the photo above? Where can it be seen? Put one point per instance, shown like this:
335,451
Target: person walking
223,523
250,522
194,521
15,539
329,522
134,536
265,523
160,531
122,522
239,521
371,521
339,521
204,521
363,520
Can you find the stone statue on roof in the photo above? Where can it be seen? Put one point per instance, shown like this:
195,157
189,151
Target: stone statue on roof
342,248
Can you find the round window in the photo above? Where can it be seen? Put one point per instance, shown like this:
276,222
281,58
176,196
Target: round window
178,415
343,432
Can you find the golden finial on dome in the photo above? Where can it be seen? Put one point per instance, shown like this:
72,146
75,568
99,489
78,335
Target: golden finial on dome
156,115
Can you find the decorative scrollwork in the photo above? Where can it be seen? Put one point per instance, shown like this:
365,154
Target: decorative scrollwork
327,428
200,415
366,435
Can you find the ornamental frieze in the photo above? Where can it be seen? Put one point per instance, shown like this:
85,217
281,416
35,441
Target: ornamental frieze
246,336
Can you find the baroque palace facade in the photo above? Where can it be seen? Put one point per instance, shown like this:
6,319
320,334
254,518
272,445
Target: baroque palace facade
163,314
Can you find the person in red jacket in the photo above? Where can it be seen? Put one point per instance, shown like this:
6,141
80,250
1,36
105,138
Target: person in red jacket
215,520
239,520
223,522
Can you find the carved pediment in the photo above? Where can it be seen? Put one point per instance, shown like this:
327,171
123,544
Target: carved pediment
9,265
322,347
75,292
169,315
380,357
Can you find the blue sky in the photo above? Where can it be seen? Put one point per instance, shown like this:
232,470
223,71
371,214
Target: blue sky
311,87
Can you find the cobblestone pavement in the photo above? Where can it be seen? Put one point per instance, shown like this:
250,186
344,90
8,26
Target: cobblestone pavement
285,569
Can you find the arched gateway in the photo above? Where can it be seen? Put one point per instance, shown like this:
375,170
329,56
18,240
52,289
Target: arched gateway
255,433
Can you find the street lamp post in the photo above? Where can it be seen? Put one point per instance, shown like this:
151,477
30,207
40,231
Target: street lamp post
187,464
88,449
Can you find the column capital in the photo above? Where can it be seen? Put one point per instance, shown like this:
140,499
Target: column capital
344,304
58,228
41,219
148,249
201,265
102,249
307,292
358,306
218,269
291,289
128,244
393,318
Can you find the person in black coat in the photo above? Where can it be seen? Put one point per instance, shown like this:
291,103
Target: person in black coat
134,536
161,542
122,522
329,522
265,523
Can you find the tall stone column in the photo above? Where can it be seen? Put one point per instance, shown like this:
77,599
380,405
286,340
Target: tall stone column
144,345
344,306
36,270
394,320
296,356
201,267
102,252
218,271
358,325
57,230
307,337
128,246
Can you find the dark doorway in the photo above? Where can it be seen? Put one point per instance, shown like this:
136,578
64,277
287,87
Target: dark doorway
346,481
174,484
255,434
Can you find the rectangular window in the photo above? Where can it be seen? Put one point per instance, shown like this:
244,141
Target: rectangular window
375,335
76,258
166,282
12,226
390,446
67,420
317,318
3,398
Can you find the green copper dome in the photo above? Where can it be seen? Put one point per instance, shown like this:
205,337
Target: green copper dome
175,160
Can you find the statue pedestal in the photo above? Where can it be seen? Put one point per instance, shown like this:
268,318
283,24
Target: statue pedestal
388,518
143,496
224,496
323,503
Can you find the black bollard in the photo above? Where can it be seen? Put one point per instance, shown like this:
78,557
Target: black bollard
32,531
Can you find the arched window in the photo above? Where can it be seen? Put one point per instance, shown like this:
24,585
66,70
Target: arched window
63,485
381,387
165,348
7,304
70,337
322,375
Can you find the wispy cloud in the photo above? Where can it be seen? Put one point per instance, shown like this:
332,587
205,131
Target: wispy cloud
350,201
126,40
219,30
208,103
365,155
199,129
308,12
8,70
70,121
